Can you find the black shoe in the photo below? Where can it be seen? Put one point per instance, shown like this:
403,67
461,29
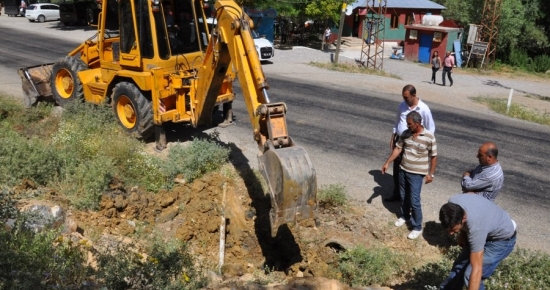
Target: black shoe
392,199
451,85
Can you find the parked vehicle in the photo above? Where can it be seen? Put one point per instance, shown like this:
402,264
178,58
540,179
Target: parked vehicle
264,47
42,12
16,8
80,12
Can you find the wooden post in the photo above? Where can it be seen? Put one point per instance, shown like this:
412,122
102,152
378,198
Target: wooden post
340,28
222,231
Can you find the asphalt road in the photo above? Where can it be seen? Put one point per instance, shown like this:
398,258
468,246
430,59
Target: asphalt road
346,130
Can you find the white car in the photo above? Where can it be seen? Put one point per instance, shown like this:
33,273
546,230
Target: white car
263,46
42,12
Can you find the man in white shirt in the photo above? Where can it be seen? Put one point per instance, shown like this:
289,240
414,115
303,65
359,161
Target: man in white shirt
410,103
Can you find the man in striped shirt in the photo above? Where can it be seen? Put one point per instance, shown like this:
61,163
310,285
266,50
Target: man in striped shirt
487,178
419,161
411,102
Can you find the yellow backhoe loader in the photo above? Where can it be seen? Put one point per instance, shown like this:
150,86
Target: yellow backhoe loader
158,62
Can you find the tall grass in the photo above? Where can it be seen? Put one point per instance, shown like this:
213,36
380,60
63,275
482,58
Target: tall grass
195,159
516,111
332,195
362,267
350,68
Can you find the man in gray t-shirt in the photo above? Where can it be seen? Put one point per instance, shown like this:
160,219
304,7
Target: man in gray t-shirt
487,235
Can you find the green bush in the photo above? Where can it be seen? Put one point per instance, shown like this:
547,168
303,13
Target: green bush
168,265
81,153
29,122
22,150
519,58
46,260
541,63
195,159
523,269
333,195
21,158
432,274
94,150
7,205
40,261
87,181
362,267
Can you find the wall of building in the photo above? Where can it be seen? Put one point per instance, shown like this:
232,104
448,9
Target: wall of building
355,22
412,46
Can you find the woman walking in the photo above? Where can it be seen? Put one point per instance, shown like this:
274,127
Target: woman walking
448,64
436,64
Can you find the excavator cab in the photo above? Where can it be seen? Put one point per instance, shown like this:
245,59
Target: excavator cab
157,62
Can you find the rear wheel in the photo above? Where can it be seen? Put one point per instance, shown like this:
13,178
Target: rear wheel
66,86
41,18
132,110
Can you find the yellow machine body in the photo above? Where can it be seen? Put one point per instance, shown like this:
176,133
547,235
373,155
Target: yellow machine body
170,62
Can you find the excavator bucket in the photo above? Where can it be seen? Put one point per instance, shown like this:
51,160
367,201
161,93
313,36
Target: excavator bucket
35,81
292,184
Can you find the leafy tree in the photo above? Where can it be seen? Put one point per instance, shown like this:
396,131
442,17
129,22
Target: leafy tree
524,24
463,12
324,9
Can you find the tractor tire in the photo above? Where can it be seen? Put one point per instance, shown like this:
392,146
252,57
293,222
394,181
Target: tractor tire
66,86
133,111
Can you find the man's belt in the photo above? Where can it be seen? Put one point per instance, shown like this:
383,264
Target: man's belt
495,240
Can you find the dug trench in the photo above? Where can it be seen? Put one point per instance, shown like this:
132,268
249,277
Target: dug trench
192,212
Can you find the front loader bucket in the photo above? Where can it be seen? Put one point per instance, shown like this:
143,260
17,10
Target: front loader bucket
35,81
292,184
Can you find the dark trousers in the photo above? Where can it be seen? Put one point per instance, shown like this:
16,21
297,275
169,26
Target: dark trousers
447,70
396,169
410,186
434,70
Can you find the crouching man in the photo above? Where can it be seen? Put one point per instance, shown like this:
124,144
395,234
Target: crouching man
486,234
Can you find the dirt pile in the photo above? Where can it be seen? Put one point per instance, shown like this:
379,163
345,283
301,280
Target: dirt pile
193,213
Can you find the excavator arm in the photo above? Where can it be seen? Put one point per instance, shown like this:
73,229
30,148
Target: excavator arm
287,168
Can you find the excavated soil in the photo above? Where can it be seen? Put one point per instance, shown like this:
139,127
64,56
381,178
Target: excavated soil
193,213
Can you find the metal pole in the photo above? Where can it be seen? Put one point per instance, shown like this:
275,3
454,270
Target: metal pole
342,16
